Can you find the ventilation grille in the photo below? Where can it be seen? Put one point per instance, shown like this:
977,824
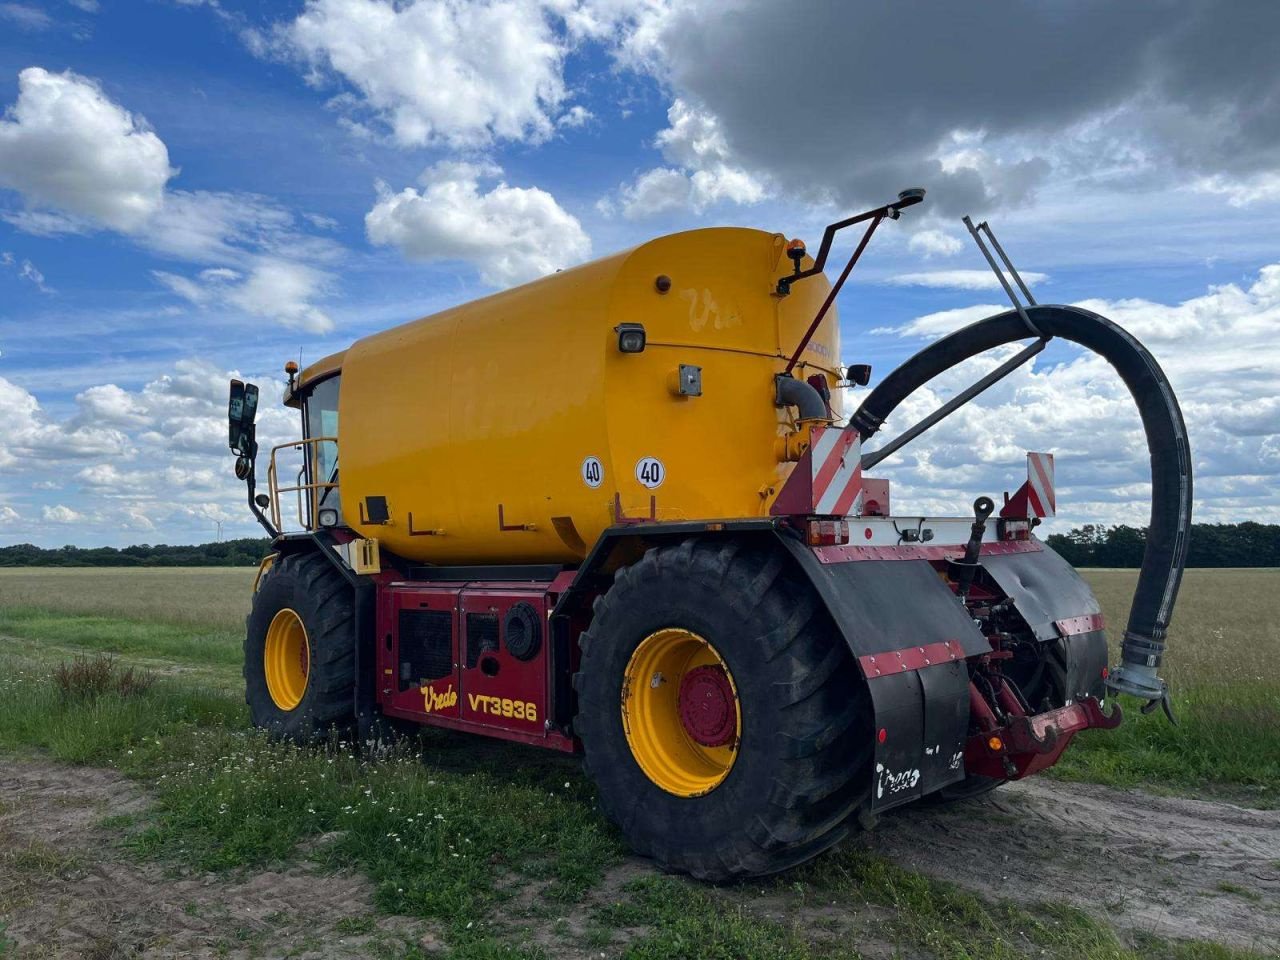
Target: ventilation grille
426,646
482,636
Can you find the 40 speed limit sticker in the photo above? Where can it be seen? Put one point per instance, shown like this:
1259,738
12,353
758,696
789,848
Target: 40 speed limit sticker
592,472
650,472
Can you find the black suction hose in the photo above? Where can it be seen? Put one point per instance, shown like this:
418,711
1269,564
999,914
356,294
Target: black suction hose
1169,529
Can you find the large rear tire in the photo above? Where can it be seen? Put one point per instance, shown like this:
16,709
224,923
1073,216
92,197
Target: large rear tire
743,741
299,651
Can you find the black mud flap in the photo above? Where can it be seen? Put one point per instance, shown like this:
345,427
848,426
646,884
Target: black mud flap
1060,608
910,636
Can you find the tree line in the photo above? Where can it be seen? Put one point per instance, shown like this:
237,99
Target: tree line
1246,544
1093,545
227,553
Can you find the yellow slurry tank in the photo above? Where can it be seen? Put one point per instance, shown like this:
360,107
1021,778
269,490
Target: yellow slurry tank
523,402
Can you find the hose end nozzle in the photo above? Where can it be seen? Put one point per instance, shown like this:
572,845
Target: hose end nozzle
1141,681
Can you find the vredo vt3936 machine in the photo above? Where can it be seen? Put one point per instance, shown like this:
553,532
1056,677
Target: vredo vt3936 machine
617,511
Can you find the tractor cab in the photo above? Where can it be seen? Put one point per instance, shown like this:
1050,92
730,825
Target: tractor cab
302,475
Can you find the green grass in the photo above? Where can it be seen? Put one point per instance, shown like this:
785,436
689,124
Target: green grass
683,920
34,713
438,842
1223,666
135,638
450,829
457,829
676,918
1226,741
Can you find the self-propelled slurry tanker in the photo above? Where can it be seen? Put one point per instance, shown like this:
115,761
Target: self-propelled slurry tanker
618,511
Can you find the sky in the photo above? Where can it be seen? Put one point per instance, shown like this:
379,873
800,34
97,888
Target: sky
194,190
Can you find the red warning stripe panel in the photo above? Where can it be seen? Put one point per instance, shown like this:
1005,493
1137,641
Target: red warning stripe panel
1085,623
910,658
837,471
1041,496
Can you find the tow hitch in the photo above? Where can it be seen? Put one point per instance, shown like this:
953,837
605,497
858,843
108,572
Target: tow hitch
1028,744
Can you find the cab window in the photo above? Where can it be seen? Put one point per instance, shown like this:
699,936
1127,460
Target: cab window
320,410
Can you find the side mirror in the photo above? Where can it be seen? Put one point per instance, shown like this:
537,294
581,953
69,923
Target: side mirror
859,373
235,413
242,409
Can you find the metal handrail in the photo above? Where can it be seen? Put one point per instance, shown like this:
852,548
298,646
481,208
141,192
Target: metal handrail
312,490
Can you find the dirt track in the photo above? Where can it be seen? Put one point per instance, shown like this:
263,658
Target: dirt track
1143,862
69,893
1169,866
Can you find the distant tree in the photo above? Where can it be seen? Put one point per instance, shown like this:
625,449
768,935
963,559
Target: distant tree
229,553
1247,544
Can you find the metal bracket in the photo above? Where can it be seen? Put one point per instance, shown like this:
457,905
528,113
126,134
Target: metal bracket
620,518
890,211
977,232
422,533
506,527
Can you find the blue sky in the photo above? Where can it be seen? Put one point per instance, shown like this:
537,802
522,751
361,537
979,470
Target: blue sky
191,189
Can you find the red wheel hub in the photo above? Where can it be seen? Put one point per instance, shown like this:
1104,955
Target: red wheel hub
707,710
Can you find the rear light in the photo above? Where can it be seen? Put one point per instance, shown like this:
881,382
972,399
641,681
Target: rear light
1015,530
828,533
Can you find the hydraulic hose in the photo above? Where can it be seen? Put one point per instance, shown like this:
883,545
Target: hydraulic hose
1167,534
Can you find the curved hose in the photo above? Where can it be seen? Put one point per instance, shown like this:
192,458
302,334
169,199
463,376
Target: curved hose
1169,529
790,392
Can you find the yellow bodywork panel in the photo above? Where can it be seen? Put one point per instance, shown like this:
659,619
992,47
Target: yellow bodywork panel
522,401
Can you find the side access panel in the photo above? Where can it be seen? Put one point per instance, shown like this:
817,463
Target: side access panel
911,637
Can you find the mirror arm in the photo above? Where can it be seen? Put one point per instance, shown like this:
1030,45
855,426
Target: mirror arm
250,483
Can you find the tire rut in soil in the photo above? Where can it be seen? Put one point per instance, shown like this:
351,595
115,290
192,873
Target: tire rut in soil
1139,861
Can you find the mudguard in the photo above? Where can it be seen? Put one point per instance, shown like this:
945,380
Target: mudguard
910,637
1059,607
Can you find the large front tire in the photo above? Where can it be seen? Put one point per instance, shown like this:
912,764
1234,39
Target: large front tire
299,651
722,718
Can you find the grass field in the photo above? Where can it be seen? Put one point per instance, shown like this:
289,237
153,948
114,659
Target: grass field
497,845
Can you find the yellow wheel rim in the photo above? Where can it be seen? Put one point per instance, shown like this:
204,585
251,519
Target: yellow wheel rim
286,659
680,712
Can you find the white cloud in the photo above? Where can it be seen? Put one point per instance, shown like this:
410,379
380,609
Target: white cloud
81,162
26,17
25,270
283,291
31,435
943,322
703,171
1122,103
107,404
934,243
169,469
462,74
1219,352
9,515
511,234
65,146
959,279
575,116
1242,191
60,513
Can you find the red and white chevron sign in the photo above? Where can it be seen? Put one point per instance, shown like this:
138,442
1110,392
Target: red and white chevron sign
836,463
1035,498
1040,496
